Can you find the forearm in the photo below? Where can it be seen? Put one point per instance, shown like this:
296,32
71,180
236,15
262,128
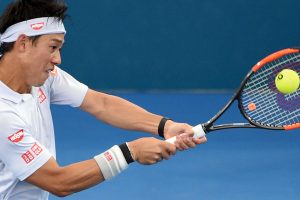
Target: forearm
120,112
124,114
80,176
63,181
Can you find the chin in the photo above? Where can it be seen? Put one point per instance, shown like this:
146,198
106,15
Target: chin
39,81
39,84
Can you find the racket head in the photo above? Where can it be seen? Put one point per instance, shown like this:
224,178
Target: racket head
259,100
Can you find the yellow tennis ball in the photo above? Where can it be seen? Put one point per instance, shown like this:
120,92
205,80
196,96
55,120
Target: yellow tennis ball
287,81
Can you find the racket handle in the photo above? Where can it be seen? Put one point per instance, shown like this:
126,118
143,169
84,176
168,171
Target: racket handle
198,133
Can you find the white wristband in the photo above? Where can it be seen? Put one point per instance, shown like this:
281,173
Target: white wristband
111,162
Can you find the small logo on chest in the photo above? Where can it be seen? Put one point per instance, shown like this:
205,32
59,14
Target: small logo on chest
42,96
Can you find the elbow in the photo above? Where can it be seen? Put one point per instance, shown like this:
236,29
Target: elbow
60,187
54,179
60,194
60,191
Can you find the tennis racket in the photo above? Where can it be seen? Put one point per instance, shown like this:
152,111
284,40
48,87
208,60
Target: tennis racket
259,102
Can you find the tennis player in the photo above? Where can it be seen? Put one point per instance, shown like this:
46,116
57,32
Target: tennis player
32,34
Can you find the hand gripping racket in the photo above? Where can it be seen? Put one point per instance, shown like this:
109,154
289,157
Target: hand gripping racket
258,99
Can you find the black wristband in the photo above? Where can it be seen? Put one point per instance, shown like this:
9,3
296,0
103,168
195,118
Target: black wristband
126,152
161,126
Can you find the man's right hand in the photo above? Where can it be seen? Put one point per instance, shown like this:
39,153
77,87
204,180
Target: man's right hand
150,150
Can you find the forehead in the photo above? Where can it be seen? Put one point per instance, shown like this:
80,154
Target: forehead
59,38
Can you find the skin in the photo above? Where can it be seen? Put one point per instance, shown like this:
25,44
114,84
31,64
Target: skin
29,64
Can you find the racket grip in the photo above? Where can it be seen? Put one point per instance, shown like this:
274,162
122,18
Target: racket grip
198,133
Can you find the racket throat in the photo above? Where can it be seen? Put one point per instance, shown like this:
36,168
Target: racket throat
229,126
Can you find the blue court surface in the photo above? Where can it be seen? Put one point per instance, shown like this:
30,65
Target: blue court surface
235,164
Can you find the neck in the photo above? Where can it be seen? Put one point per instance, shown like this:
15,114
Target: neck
11,74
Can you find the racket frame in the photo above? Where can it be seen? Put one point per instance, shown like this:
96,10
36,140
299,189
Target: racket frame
208,126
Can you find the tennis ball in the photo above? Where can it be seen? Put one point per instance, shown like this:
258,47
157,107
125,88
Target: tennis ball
287,81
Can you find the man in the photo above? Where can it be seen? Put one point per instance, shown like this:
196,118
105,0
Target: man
32,34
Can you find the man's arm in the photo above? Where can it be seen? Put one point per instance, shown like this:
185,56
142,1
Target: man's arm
63,181
119,112
124,114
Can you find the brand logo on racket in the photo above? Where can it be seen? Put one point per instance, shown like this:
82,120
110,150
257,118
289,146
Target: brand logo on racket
17,137
37,26
251,106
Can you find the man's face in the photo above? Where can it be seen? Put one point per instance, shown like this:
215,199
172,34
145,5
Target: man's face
40,58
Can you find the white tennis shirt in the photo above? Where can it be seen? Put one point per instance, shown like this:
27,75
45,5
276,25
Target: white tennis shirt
26,132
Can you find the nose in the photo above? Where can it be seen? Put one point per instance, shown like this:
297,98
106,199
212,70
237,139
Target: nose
56,59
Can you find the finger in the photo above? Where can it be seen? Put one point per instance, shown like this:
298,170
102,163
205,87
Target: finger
187,134
188,128
159,158
165,155
181,142
189,142
200,140
170,148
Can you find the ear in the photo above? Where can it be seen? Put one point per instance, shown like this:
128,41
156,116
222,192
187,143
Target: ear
22,43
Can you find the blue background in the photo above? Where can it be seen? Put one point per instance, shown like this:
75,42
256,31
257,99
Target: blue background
174,44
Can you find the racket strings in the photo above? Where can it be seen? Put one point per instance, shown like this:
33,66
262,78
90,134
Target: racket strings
268,106
269,70
283,118
257,83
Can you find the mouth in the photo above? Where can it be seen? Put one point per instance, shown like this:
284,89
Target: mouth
50,70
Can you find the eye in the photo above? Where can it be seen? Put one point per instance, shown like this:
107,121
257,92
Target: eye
53,47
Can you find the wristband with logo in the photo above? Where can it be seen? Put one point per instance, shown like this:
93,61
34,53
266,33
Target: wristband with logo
111,162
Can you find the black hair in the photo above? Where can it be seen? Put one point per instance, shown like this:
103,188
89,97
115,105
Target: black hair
22,10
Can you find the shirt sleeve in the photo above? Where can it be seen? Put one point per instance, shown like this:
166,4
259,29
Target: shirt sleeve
66,90
19,151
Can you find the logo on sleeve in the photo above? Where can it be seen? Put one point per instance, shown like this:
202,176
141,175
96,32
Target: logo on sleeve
17,137
36,149
42,96
31,154
27,157
37,26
